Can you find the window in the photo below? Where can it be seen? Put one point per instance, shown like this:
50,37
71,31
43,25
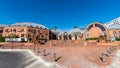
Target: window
115,34
22,35
14,30
119,34
1,31
90,27
20,30
100,26
6,30
29,35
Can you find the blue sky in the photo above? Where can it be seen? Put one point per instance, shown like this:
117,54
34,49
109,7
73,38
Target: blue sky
65,14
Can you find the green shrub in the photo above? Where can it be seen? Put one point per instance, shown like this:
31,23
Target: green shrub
41,39
117,39
2,39
92,39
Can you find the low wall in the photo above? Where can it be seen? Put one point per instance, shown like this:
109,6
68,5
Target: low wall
112,44
16,42
4,42
92,40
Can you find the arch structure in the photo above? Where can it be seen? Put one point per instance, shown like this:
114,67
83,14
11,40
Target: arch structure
73,34
95,30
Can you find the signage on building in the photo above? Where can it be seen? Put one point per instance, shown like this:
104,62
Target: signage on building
16,39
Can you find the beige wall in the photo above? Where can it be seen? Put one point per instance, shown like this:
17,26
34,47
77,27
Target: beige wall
17,30
26,32
39,32
95,32
117,32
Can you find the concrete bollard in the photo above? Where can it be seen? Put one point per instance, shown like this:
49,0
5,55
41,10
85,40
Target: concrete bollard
30,47
44,52
111,49
34,48
20,46
38,50
102,57
11,46
3,47
108,53
54,56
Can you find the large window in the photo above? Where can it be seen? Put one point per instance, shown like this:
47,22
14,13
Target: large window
100,26
119,34
29,35
21,30
22,35
14,30
6,30
65,36
115,34
1,31
90,27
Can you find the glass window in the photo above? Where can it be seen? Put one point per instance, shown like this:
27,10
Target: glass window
90,27
20,30
1,31
115,34
6,30
14,30
119,33
100,26
22,35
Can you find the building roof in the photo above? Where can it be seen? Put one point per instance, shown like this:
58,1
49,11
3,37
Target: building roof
56,31
3,25
76,31
29,24
113,24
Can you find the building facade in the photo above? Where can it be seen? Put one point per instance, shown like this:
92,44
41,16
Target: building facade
94,30
26,30
111,29
73,34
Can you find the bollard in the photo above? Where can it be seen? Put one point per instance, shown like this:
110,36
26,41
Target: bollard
55,57
108,53
11,46
103,58
44,52
34,48
21,47
30,47
110,49
3,47
114,47
38,50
